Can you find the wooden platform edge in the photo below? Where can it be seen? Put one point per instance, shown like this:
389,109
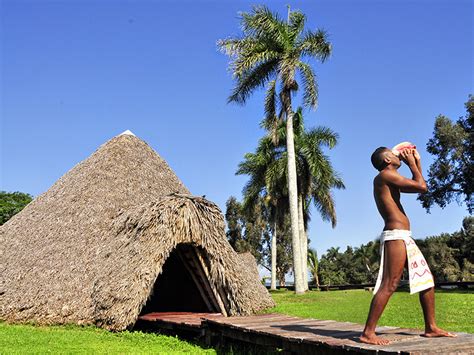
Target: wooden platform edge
214,329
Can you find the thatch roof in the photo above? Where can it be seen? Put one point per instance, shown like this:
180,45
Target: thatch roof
90,249
250,263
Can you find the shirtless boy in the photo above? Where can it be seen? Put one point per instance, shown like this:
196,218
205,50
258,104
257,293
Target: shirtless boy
387,187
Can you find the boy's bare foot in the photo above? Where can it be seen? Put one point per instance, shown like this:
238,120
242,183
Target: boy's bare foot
437,332
373,339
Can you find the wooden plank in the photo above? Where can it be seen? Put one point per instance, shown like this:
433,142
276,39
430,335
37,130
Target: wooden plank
311,335
283,325
326,345
235,319
188,318
463,340
244,321
256,322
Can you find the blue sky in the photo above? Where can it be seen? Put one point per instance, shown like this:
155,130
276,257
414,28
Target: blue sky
76,73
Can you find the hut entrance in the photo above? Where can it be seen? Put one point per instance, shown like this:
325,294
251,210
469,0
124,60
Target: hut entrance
183,285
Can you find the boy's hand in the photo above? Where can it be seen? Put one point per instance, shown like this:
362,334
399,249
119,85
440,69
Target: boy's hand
408,156
416,155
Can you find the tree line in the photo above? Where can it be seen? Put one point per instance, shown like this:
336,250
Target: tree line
11,203
449,255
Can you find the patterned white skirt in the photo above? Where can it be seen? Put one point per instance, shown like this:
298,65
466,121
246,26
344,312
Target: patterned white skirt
418,270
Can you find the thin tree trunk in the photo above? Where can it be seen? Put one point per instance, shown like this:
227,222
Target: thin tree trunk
282,280
293,196
305,256
274,256
303,243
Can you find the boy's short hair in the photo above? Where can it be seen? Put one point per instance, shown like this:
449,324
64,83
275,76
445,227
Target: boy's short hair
378,157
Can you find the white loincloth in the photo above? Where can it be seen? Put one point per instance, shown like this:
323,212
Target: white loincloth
418,270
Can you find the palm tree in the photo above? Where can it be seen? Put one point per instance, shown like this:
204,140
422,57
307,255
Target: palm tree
268,178
266,173
271,52
332,254
316,178
313,264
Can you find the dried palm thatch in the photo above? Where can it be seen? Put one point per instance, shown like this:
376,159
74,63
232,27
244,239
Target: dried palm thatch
250,263
89,250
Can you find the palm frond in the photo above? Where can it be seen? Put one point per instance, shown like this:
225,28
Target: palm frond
234,46
298,122
251,80
310,86
247,60
261,22
324,203
270,121
316,45
322,136
296,25
313,258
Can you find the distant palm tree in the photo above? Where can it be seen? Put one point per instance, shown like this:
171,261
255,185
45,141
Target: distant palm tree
271,52
313,264
316,177
268,178
266,183
365,253
332,254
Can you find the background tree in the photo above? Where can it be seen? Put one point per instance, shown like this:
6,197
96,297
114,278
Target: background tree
451,176
256,231
271,52
246,231
330,271
313,264
266,186
441,258
11,203
450,257
267,173
316,178
284,251
367,262
234,220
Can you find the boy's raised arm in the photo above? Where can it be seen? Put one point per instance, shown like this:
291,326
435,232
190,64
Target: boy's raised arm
417,183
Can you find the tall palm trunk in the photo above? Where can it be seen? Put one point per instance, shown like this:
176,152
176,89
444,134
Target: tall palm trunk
293,196
303,243
274,256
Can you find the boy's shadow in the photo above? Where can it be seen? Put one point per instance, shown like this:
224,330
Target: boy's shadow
338,334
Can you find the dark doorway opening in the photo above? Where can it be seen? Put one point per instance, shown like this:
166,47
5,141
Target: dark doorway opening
182,285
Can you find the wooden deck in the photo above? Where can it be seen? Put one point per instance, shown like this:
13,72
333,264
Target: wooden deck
188,321
312,336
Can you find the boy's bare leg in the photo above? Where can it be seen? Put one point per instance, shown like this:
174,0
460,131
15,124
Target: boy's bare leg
394,262
427,300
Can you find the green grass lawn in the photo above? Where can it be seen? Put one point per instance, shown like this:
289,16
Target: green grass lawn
454,309
28,339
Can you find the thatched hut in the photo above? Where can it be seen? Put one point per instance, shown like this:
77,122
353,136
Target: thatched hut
116,236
